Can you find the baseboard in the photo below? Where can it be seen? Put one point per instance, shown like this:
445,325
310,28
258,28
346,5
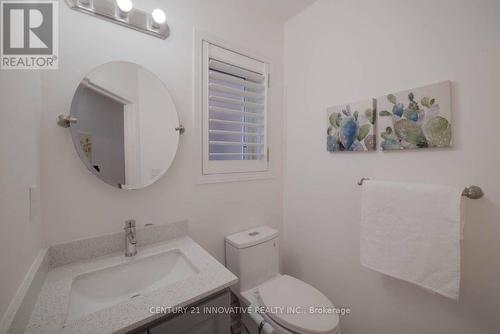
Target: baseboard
18,313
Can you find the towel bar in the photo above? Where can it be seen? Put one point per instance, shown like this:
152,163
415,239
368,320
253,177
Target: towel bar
472,192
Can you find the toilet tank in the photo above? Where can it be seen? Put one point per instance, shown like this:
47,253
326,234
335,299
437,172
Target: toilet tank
253,256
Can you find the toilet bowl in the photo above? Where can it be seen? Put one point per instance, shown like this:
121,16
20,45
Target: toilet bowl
287,304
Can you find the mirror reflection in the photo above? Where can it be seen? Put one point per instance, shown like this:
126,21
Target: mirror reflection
125,130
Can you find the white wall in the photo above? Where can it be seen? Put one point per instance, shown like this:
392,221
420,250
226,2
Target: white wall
20,237
338,51
76,204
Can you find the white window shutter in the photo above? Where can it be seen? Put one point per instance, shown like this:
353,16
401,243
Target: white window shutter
234,112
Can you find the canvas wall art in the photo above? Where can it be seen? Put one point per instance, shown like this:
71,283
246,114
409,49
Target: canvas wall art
351,127
417,118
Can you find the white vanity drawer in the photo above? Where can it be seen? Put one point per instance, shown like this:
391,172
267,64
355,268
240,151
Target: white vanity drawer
198,320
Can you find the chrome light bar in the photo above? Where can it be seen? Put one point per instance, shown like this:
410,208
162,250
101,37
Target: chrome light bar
123,13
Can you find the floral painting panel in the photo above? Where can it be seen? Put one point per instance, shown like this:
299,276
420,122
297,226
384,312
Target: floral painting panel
351,127
417,118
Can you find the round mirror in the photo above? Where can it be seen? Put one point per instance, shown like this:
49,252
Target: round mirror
124,125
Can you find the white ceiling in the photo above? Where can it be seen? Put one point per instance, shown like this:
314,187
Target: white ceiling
278,10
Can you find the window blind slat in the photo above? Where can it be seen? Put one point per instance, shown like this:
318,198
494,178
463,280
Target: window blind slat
235,112
226,132
233,143
234,91
236,102
223,121
236,154
235,80
236,71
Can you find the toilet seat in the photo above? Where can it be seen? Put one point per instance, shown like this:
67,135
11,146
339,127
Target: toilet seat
288,301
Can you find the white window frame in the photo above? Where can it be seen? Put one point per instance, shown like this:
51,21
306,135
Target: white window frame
224,171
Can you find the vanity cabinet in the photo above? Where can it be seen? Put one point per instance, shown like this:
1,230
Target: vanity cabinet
208,317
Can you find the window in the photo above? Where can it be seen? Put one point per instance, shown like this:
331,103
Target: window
234,112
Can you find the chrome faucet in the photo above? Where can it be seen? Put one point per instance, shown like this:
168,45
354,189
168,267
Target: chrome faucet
130,238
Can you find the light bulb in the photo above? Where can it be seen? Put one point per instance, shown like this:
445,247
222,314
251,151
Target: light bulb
124,7
158,18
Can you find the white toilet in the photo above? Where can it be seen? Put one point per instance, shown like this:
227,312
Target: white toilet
284,301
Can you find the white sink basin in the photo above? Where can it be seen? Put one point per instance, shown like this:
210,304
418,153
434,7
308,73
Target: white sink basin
103,288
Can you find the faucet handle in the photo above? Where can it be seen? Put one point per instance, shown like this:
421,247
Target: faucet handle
130,223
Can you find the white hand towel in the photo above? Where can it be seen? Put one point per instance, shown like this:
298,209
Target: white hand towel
412,232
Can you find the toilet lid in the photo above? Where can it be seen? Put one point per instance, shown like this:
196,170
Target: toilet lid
288,302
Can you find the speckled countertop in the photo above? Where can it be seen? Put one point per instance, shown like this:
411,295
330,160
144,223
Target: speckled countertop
50,312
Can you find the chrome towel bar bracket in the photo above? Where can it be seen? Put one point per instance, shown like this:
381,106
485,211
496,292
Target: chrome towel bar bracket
472,192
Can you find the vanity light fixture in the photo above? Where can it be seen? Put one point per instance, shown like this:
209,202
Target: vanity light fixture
124,13
158,18
124,7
